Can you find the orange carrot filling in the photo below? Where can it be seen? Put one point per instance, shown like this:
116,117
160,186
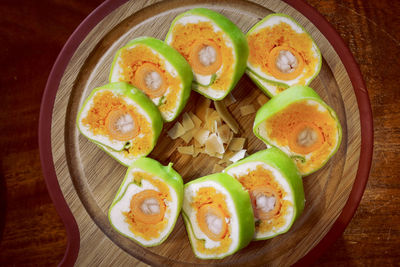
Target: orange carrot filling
211,220
305,138
151,80
282,52
306,131
147,71
285,62
205,57
266,202
267,197
111,116
122,125
148,209
212,215
197,43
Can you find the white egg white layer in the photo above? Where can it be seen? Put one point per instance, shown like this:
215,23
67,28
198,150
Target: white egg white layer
102,139
245,168
196,233
262,130
275,20
125,159
205,79
270,87
117,76
123,199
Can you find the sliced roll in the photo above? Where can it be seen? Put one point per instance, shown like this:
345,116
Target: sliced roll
275,188
121,120
218,216
148,202
215,48
158,70
302,125
282,54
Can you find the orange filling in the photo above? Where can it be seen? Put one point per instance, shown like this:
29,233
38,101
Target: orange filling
279,69
266,44
138,64
151,80
148,207
146,217
185,39
211,220
205,57
263,194
305,138
304,129
209,202
121,125
105,112
261,183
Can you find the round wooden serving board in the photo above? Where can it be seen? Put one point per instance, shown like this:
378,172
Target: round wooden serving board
89,178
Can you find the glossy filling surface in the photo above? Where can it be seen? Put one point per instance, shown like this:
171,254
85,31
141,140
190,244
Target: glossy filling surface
306,129
282,52
111,116
144,69
206,51
148,208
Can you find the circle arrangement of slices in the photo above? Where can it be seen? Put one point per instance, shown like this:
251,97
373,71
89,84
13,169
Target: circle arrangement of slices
255,198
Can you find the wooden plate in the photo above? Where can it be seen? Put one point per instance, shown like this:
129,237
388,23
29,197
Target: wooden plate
89,178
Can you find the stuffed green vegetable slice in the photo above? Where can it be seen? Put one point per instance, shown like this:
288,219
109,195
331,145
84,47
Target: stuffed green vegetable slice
282,54
275,188
158,70
215,48
302,125
148,202
218,216
121,120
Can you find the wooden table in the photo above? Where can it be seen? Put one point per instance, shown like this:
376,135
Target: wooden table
32,34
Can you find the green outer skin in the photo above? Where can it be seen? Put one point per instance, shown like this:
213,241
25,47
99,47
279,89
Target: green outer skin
275,82
140,99
242,207
238,40
256,79
179,63
283,100
285,165
167,174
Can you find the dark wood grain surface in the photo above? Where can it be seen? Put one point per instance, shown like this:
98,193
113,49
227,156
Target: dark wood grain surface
32,34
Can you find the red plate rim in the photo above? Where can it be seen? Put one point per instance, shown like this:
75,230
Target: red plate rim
107,7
